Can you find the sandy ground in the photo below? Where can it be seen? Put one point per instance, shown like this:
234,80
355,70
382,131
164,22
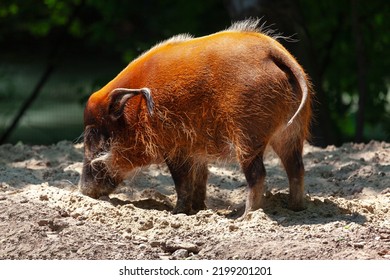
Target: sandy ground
43,216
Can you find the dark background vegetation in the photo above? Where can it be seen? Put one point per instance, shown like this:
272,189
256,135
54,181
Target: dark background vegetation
55,53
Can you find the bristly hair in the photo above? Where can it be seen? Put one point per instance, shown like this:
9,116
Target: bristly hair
248,25
175,39
253,25
178,38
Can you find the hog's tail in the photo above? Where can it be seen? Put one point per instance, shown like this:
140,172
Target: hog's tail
287,63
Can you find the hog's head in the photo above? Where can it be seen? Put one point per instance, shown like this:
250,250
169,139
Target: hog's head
107,140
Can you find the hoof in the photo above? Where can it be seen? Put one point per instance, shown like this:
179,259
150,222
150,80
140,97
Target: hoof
182,210
198,207
296,207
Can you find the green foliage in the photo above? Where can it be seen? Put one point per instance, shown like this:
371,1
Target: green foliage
120,24
29,18
330,27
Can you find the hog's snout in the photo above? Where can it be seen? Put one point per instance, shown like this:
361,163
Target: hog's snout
96,181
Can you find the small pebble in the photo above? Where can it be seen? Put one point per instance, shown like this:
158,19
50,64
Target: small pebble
155,243
146,225
180,254
172,246
63,213
233,227
359,245
175,225
43,197
43,222
127,236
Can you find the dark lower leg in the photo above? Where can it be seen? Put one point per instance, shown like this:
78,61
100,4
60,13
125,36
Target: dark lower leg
293,165
254,171
199,189
183,176
295,171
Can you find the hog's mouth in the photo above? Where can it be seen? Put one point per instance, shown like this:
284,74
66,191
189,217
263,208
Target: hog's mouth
97,179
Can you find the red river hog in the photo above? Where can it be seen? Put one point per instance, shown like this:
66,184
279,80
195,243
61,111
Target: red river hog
188,101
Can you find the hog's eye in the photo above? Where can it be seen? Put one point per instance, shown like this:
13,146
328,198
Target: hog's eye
95,142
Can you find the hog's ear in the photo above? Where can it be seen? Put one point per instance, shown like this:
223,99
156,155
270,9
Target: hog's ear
120,96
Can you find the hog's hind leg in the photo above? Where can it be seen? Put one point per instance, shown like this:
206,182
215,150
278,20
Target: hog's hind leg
255,173
291,156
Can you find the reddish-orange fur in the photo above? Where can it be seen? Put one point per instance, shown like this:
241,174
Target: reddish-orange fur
227,94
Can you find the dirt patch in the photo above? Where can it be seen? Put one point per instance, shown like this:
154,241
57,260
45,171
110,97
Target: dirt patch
43,216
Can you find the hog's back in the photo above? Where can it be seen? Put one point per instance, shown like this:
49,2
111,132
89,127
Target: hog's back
215,94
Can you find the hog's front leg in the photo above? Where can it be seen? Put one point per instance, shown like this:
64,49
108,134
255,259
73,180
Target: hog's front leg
183,176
